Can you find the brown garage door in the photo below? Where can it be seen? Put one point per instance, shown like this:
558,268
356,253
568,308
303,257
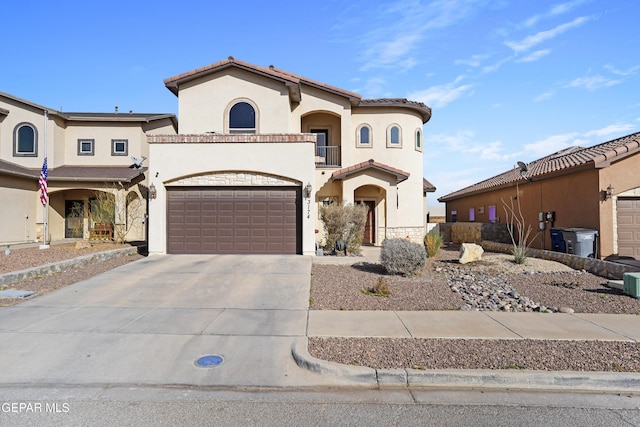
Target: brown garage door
234,220
629,227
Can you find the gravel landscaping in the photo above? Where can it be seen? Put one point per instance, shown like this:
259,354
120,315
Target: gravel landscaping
20,259
496,284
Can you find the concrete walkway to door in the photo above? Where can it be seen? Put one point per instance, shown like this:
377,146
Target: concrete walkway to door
149,321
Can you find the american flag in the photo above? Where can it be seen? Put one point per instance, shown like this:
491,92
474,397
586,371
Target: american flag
43,183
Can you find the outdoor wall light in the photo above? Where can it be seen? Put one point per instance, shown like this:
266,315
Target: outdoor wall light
606,194
307,190
152,191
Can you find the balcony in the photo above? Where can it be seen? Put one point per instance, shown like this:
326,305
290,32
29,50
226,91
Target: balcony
328,156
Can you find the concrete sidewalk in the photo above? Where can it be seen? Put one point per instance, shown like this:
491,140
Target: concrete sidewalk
474,325
147,323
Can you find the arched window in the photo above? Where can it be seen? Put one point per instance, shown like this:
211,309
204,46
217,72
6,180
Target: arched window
364,136
242,118
394,136
418,140
25,140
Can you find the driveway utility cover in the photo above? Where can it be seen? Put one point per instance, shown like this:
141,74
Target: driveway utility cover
12,293
210,361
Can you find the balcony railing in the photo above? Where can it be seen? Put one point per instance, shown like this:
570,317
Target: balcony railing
328,156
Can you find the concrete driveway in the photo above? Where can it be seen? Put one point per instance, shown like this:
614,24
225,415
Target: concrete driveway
149,321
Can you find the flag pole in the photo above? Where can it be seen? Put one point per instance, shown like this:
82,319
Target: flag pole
45,197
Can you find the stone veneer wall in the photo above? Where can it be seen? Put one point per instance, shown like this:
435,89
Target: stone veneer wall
474,232
607,269
234,178
415,234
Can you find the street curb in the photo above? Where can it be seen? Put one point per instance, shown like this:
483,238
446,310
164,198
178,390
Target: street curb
57,267
357,374
577,381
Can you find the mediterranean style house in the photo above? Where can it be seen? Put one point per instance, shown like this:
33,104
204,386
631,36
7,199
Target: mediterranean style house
87,154
594,188
256,152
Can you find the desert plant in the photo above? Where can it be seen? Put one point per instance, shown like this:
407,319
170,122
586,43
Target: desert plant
432,243
344,223
111,206
400,256
519,230
380,289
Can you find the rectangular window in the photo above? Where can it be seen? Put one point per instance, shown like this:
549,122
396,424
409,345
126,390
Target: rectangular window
454,216
472,214
119,147
85,147
492,215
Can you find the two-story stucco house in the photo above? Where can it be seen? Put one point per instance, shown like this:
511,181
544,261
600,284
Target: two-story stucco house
86,153
255,154
259,150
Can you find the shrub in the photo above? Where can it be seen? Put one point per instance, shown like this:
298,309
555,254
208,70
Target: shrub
399,256
381,289
346,223
432,243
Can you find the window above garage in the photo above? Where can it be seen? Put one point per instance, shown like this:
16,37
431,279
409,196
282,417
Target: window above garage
242,118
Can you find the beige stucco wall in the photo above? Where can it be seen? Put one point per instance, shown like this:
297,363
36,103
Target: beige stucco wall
22,113
174,161
202,102
18,209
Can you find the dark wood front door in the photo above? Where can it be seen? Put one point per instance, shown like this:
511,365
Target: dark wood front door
73,219
370,226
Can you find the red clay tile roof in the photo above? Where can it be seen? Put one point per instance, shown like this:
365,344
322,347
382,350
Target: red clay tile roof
427,187
9,168
569,160
371,164
419,107
293,81
289,79
95,117
95,173
75,173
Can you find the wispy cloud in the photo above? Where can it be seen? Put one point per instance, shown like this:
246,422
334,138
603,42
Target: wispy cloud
555,143
441,95
626,73
496,66
613,129
593,82
462,142
555,10
551,144
534,56
474,61
389,45
535,39
544,96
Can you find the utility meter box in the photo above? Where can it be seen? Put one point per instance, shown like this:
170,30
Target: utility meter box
631,284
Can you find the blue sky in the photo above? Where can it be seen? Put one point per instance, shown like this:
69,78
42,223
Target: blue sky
507,80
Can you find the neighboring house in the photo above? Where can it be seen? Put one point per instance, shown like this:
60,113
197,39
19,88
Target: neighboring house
595,188
259,151
255,154
86,153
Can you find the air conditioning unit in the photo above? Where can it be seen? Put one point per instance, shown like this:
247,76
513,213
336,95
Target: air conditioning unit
631,284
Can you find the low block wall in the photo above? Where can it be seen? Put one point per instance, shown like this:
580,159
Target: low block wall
474,232
607,269
57,267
